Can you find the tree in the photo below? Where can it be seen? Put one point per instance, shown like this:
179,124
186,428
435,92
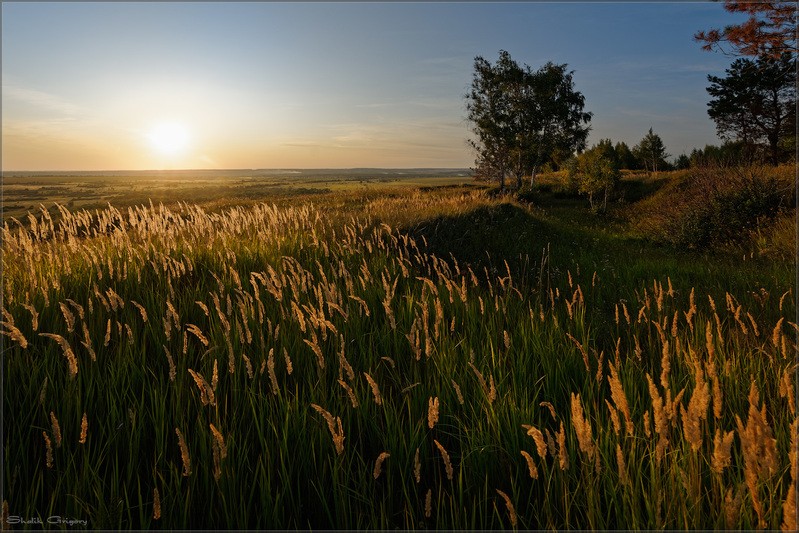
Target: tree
596,172
626,157
756,102
651,152
770,30
522,118
682,162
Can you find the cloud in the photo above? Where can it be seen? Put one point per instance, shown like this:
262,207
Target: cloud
40,99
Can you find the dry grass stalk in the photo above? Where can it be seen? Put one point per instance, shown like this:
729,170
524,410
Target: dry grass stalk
776,333
69,318
334,426
428,503
56,429
619,397
141,310
660,419
287,359
759,449
231,359
34,316
203,307
789,509
248,365
349,391
538,437
582,351
511,511
722,443
219,440
156,504
67,350
84,429
206,391
172,369
530,464
48,450
375,389
15,334
417,467
458,392
786,390
43,391
582,427
696,412
563,456
344,364
445,456
550,408
647,430
108,334
614,418
718,397
270,367
432,412
197,332
379,464
214,376
184,453
665,366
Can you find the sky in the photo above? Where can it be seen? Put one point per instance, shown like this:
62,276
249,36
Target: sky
103,86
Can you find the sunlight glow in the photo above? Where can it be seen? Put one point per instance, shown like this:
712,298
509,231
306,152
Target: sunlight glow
169,138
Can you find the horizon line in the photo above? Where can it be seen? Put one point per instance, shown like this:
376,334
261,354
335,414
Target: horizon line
10,171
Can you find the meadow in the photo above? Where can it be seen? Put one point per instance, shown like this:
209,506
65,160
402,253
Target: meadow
404,354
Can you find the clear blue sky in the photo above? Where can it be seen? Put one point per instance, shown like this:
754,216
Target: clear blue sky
278,85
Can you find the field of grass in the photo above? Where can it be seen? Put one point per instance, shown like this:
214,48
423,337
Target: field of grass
398,357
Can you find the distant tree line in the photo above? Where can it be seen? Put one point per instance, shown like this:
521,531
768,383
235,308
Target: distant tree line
526,121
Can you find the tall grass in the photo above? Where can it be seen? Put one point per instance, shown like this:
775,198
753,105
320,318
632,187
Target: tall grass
269,367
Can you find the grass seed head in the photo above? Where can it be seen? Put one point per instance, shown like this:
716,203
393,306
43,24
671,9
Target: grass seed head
184,453
156,504
379,464
432,412
417,467
511,511
84,429
530,464
48,450
445,456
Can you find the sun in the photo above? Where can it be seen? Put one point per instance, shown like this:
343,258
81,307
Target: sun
169,138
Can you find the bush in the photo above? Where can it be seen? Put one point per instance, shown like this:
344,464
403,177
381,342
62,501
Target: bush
723,207
595,172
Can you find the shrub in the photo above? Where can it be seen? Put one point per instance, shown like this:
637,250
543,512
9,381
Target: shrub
722,206
596,173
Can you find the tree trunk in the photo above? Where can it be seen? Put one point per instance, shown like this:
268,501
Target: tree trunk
532,176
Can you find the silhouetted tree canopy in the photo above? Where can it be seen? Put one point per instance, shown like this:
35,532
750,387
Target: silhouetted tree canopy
522,118
756,103
651,152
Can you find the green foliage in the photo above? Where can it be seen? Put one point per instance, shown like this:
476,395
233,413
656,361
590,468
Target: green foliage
756,104
523,119
419,290
714,206
596,173
626,157
651,152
